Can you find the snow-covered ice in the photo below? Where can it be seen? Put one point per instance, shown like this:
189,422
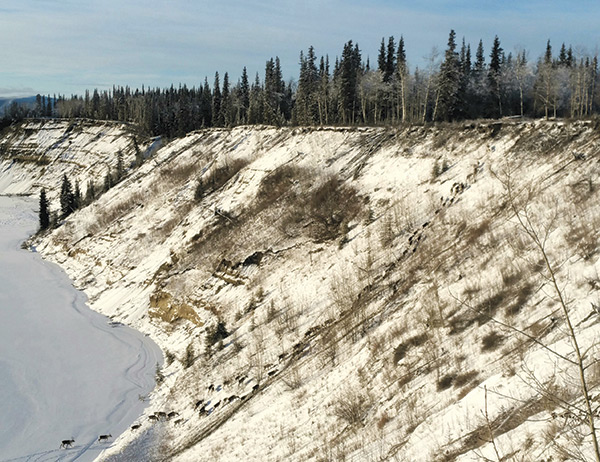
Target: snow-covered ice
66,372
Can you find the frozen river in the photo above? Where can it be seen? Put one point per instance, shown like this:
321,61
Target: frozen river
65,372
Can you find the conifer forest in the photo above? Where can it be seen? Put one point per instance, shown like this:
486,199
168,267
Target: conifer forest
456,84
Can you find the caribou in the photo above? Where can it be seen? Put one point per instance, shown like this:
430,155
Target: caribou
67,443
103,438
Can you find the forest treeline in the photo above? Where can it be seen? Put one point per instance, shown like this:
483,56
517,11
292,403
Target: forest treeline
454,85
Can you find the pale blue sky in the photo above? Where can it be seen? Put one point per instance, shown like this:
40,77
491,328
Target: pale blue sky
66,46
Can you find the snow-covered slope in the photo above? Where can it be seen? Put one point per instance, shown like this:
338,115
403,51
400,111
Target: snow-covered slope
38,153
381,299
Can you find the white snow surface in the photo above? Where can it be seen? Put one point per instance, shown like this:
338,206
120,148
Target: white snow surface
65,371
381,319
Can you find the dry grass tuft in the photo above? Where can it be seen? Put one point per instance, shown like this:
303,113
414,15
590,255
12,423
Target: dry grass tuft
415,341
446,381
474,233
491,341
522,295
465,378
351,406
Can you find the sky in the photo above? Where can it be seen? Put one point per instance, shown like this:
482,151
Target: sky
68,46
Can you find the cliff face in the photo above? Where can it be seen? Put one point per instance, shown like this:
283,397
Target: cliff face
342,294
38,153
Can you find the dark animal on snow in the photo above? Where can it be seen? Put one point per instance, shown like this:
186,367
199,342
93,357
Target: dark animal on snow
103,438
172,414
67,443
161,415
135,427
153,418
198,404
211,387
255,387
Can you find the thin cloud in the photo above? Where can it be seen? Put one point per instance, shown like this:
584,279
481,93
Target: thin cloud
54,43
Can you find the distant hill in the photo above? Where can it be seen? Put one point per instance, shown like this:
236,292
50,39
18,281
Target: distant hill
6,102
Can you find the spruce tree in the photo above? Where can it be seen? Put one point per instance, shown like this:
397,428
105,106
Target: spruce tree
224,115
67,197
465,79
382,57
448,85
390,60
494,79
244,98
273,92
256,103
562,56
44,213
217,121
306,108
348,82
548,54
479,58
206,105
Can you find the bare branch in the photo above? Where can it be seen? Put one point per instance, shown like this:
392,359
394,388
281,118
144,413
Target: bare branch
513,328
